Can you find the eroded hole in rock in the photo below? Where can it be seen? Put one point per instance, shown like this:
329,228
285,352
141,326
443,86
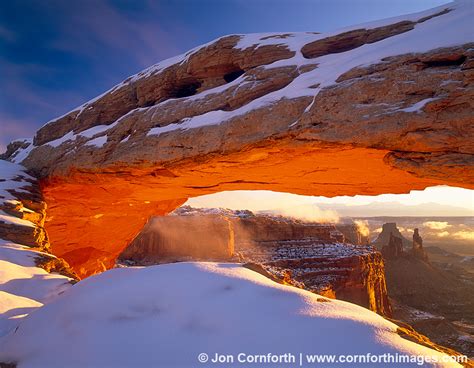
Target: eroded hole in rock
185,89
231,76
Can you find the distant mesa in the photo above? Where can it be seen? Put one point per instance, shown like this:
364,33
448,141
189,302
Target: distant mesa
393,244
384,237
394,248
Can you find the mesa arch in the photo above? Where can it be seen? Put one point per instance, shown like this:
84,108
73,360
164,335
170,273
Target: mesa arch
378,108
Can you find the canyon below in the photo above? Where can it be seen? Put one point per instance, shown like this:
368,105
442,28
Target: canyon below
103,262
430,290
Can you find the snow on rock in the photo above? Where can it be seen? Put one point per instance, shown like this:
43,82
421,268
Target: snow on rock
97,142
164,316
23,286
417,107
443,30
24,150
14,178
14,220
95,131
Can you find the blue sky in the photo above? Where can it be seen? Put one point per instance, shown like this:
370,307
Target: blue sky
55,55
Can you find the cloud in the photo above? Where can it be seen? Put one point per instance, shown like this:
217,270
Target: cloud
109,27
437,225
12,128
464,235
7,35
22,97
403,229
363,227
308,212
442,234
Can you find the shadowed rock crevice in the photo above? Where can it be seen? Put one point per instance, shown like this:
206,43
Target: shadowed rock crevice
189,88
233,75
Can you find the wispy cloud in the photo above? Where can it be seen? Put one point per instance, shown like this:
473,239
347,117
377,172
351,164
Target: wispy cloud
437,225
17,86
7,35
12,128
464,235
108,26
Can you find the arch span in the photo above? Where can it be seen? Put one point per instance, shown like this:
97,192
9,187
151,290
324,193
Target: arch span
380,108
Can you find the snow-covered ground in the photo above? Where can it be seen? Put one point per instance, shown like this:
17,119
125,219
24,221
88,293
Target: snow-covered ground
166,315
24,286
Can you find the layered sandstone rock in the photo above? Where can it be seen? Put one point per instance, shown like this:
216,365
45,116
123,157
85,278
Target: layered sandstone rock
22,218
341,271
383,107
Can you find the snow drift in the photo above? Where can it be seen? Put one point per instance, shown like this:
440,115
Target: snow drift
165,316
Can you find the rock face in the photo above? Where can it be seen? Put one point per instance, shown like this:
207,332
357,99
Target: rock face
341,271
417,249
172,238
437,303
394,248
380,108
22,217
352,234
392,243
390,230
308,255
267,229
29,275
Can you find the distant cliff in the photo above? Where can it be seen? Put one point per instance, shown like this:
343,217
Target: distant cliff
171,238
310,255
437,303
384,237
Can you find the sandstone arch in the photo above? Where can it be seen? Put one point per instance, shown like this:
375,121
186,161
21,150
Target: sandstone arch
377,109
